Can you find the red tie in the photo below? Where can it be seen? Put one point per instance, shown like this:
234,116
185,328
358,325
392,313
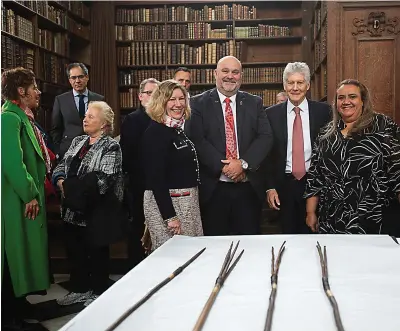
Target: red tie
298,161
231,149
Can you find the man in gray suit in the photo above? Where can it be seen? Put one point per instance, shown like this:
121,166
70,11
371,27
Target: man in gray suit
70,108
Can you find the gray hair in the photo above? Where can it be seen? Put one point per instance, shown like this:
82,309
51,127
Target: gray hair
148,80
296,67
282,93
107,113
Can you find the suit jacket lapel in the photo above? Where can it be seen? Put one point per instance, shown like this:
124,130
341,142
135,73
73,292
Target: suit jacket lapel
217,110
311,117
284,120
240,113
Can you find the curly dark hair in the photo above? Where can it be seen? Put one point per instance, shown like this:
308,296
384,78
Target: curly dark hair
12,79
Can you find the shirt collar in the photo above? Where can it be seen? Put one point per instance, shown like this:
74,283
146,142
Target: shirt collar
303,106
223,97
84,93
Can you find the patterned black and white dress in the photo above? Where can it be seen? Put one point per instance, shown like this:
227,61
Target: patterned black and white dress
355,177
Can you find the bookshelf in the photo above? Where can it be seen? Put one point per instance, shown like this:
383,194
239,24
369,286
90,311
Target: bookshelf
45,36
318,36
153,40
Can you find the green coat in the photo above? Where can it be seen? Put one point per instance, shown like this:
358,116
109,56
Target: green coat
23,171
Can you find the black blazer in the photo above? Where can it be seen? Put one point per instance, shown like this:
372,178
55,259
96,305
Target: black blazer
207,131
132,130
65,121
319,116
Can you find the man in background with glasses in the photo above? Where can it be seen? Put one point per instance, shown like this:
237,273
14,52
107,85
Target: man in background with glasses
70,108
132,129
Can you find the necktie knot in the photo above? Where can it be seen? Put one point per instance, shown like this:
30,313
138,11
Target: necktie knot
296,110
227,101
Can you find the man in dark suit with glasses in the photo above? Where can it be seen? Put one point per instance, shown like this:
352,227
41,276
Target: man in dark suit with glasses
70,108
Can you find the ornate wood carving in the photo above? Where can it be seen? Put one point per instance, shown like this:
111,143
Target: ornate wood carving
376,24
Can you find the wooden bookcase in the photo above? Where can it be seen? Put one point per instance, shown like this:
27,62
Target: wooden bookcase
45,36
154,39
318,48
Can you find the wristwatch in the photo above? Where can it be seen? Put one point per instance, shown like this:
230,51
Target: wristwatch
245,165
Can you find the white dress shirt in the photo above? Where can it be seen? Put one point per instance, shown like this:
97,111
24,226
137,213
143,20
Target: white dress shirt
233,106
305,120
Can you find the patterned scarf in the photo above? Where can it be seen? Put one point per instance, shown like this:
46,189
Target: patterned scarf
173,123
38,135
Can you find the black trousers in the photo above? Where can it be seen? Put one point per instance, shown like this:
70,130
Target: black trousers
135,250
233,209
89,266
292,214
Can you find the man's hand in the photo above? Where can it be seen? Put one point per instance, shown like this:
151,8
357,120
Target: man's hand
273,199
240,178
232,168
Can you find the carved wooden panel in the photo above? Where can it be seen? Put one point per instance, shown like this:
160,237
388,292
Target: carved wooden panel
369,50
376,67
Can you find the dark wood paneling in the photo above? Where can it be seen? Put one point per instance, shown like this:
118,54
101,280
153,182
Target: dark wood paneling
376,65
372,56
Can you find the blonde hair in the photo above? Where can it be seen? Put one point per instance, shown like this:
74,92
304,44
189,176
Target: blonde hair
367,113
158,101
108,115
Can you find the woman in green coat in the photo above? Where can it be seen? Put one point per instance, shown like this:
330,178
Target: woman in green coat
24,163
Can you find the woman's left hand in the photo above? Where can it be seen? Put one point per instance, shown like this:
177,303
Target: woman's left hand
32,209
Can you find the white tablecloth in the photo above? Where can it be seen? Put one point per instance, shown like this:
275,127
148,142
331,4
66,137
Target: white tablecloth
364,273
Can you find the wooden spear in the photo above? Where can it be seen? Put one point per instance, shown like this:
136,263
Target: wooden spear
274,285
225,271
325,282
153,291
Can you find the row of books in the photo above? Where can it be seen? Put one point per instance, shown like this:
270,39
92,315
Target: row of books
261,31
79,29
43,8
54,14
52,68
14,54
175,31
183,13
54,41
201,76
154,53
319,16
320,47
130,99
197,31
16,25
268,96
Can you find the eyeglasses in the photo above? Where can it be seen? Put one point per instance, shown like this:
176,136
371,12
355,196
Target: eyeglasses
76,77
149,93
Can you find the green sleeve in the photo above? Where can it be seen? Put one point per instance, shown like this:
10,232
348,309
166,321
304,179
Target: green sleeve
12,164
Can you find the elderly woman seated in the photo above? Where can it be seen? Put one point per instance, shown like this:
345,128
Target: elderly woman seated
91,184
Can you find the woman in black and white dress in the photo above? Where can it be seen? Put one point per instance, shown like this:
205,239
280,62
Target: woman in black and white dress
355,167
171,203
